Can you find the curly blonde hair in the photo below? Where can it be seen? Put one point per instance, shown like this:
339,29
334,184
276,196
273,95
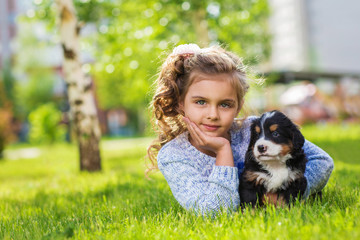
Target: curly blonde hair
176,75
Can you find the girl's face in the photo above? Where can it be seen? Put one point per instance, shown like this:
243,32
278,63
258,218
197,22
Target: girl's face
211,103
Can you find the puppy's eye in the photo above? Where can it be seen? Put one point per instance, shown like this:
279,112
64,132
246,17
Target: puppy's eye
275,134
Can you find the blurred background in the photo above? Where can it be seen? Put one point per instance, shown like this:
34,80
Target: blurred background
307,51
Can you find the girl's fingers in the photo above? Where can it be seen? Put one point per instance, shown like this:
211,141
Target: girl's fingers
199,133
194,134
192,130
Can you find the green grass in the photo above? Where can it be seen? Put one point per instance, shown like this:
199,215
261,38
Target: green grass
46,197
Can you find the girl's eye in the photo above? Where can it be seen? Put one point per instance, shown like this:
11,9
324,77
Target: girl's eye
275,134
225,105
200,102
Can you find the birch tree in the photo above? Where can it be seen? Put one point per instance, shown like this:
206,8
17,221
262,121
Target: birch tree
79,90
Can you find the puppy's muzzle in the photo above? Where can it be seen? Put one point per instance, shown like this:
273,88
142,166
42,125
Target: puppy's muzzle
262,148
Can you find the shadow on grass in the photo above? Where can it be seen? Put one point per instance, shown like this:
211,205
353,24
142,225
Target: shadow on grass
347,151
347,177
113,204
153,195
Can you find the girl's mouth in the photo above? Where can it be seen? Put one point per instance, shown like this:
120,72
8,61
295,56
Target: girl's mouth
211,127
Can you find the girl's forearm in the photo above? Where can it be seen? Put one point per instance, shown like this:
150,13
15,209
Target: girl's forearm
224,156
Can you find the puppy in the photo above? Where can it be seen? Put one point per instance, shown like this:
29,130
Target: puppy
274,162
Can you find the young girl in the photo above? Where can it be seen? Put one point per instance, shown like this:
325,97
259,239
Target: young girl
200,149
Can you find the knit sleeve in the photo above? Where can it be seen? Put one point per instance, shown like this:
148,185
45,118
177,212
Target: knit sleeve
194,190
318,168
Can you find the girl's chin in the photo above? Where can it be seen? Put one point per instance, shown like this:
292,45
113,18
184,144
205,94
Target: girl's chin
214,134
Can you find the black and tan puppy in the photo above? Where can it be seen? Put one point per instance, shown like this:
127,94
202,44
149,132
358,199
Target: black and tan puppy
275,161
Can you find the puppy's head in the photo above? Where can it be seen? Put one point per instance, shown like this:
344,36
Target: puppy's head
275,137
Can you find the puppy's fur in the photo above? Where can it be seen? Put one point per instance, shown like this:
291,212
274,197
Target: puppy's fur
275,161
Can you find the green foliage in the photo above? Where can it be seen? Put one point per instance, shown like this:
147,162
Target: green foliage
136,35
47,198
33,69
45,124
37,90
6,85
133,38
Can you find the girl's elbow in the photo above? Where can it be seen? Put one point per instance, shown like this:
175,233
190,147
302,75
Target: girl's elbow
331,165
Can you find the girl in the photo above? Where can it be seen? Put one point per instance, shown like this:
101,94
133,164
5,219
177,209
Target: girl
200,149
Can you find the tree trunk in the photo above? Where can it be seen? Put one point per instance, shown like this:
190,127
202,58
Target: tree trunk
80,96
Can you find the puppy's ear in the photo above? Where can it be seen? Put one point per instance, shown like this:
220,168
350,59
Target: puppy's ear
298,138
254,135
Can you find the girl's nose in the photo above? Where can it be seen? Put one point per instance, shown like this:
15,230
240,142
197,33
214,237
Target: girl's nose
213,113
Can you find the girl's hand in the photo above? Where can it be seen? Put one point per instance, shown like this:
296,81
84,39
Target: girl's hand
219,146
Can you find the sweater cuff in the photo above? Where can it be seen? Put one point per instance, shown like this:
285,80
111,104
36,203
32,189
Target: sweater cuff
225,176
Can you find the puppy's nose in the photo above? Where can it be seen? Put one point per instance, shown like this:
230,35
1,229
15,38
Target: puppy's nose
262,148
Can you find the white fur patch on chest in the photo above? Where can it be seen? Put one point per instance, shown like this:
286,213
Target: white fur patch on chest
278,178
278,175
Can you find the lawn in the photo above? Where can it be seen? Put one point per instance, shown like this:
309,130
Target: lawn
43,196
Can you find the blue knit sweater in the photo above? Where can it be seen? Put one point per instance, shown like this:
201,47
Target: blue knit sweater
198,185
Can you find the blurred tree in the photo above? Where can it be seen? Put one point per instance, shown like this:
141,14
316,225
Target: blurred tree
6,118
79,90
6,133
7,126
